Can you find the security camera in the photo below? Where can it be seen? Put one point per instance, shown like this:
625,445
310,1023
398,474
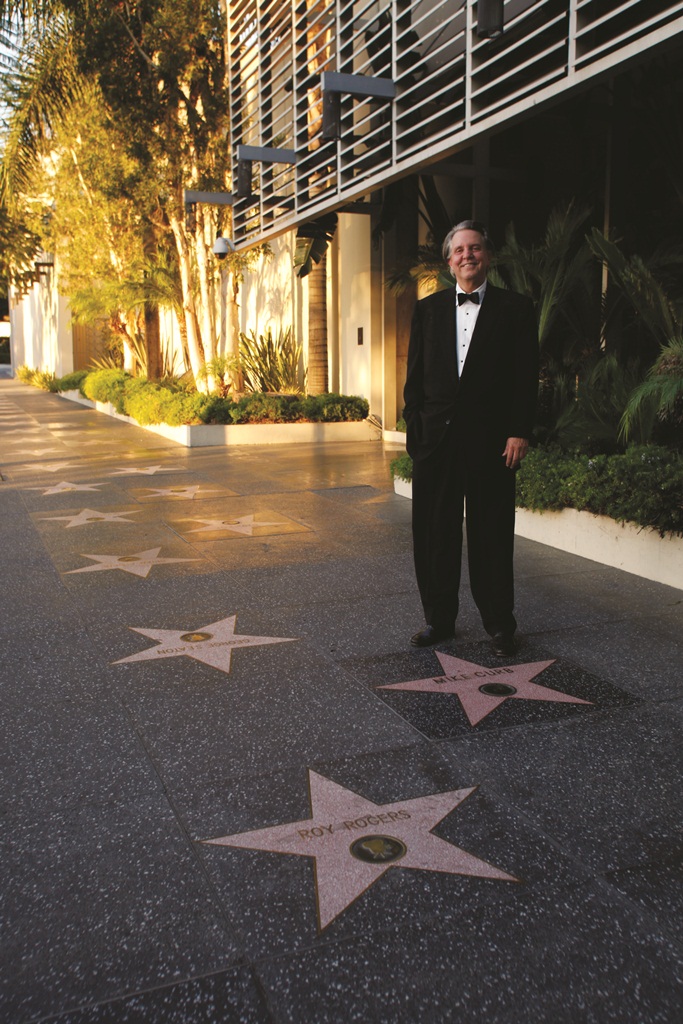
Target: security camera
222,246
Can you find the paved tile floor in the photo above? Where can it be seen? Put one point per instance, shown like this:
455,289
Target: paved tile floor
219,806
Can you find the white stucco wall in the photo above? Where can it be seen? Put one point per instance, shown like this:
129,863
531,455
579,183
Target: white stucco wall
267,296
41,335
355,307
272,296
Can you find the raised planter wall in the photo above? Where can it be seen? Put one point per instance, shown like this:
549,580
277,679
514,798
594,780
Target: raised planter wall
635,549
203,435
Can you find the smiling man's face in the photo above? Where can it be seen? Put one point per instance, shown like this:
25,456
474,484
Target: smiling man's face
469,259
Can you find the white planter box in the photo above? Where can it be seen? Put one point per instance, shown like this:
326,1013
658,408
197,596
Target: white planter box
635,549
202,435
394,437
403,487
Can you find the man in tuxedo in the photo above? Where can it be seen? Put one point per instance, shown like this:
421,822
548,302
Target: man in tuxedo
470,401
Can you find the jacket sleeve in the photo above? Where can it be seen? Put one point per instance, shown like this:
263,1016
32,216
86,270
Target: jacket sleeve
413,392
525,391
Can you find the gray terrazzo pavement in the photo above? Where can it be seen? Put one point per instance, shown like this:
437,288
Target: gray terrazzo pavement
183,666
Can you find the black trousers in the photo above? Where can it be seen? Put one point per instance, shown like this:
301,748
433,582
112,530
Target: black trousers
447,483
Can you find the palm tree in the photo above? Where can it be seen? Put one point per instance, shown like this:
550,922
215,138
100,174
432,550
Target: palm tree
310,260
161,73
659,318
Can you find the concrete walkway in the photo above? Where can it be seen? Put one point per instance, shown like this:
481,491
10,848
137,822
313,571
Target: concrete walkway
213,810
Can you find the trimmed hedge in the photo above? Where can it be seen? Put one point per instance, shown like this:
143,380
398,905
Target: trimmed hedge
644,485
262,408
151,402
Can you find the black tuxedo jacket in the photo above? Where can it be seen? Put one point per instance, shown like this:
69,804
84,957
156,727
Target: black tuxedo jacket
495,398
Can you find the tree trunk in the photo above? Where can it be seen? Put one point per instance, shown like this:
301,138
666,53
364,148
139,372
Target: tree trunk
153,341
206,313
317,328
194,341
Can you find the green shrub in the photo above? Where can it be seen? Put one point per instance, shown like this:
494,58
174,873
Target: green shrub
107,386
37,378
260,408
644,485
331,408
402,467
154,403
544,480
71,381
216,410
172,401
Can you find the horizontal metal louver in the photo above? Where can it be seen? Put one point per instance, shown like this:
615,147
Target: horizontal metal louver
450,85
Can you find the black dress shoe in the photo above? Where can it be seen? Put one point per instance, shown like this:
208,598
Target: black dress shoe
503,644
431,635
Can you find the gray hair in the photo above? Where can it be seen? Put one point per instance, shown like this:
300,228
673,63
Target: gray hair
465,225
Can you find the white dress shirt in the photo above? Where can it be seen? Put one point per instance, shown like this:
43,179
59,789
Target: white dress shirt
465,320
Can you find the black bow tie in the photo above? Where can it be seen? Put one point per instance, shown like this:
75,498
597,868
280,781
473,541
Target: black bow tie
468,297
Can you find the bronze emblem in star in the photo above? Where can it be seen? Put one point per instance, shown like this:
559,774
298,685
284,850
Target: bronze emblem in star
355,841
178,492
481,690
213,644
244,525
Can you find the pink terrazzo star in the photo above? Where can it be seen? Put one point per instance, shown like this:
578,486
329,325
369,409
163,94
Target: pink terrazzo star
470,682
354,841
212,644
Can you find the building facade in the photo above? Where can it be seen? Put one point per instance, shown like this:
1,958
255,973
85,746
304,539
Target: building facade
401,116
343,105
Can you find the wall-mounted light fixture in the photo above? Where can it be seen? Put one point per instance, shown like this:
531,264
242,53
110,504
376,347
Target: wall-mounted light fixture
43,265
334,85
191,197
490,18
246,155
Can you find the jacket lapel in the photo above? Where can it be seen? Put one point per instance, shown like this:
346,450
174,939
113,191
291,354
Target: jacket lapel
448,330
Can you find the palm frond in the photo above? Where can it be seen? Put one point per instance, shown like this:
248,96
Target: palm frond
37,93
661,393
639,286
